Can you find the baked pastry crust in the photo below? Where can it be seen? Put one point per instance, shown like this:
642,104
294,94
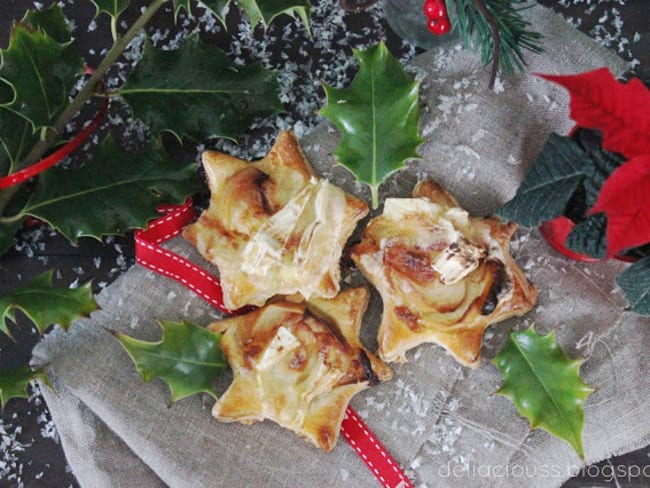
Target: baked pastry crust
272,227
298,364
443,276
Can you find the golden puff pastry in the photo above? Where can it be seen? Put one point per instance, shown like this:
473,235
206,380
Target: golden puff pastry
272,227
443,276
298,364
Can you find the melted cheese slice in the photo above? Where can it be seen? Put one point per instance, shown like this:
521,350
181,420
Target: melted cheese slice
443,275
272,227
298,364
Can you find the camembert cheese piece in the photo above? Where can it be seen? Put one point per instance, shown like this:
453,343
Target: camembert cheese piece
298,364
443,275
272,227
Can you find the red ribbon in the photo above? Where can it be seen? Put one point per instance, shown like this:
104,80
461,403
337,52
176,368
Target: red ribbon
56,156
151,255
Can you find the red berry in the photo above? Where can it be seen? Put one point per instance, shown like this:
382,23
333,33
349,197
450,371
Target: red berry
440,26
435,9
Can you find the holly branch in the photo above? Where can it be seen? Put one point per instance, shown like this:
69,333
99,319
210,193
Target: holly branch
33,119
95,80
53,134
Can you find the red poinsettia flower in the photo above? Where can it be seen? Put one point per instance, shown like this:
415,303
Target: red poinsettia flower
621,112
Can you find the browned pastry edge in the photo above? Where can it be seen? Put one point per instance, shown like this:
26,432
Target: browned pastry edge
245,196
247,340
402,329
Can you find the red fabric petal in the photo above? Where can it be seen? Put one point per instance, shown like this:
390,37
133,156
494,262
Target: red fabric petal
621,111
624,198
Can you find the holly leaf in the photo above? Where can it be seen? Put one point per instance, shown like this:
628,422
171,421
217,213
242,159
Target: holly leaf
635,283
377,116
42,73
547,187
17,133
186,5
589,236
14,383
8,233
256,10
112,7
624,198
188,358
619,110
7,94
217,97
17,137
218,7
13,221
116,191
267,10
51,21
544,384
45,304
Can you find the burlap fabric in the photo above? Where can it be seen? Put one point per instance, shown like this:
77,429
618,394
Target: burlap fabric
440,421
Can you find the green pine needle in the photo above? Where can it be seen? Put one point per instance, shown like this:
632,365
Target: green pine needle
475,20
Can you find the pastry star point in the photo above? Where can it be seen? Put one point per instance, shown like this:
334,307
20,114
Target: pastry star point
273,227
443,275
296,365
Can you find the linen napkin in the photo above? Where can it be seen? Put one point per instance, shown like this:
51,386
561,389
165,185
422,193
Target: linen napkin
440,421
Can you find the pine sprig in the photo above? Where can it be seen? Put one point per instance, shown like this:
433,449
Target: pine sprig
498,31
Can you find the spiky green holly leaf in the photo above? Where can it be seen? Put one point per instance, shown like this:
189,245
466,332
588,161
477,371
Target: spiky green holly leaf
17,133
7,94
267,10
178,5
112,7
41,72
10,225
8,232
256,10
187,357
217,97
46,304
114,192
17,137
548,185
544,384
52,21
377,116
635,283
14,383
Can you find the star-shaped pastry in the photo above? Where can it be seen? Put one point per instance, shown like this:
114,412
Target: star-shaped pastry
443,275
298,364
272,227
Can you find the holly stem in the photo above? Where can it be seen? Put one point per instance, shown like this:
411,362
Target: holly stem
85,94
496,41
95,80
